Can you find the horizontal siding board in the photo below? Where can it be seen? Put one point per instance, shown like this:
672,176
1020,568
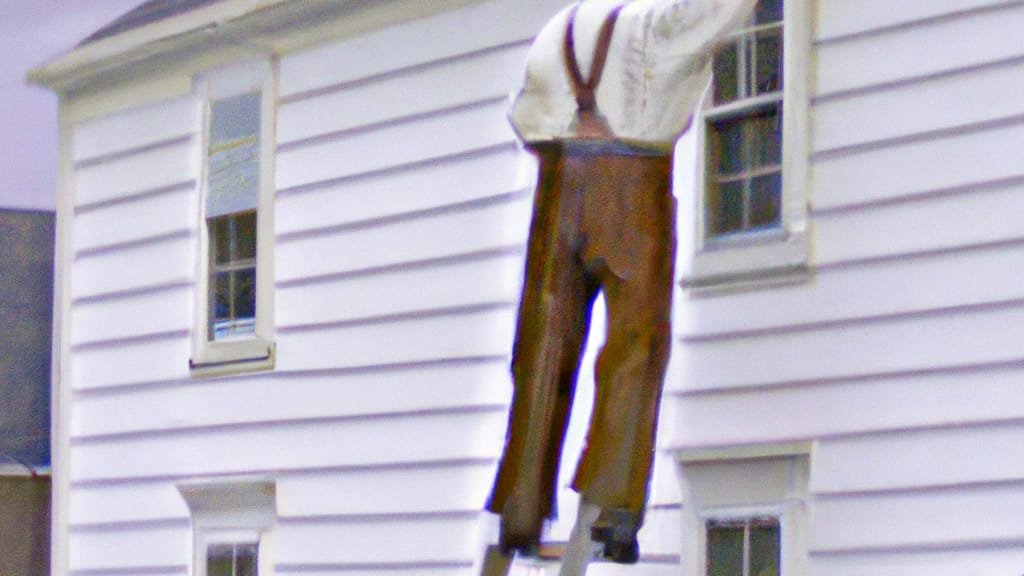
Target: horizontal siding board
474,282
263,398
437,87
871,290
441,569
469,334
844,408
157,360
972,40
488,227
385,147
949,561
144,314
393,193
126,503
440,37
953,161
914,459
838,18
164,547
167,262
954,518
126,176
369,442
900,344
975,217
166,213
395,541
136,128
973,97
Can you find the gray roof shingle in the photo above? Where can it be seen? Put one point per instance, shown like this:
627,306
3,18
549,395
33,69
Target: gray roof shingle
146,13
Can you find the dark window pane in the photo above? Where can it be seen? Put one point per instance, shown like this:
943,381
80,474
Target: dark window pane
725,208
233,238
765,133
220,560
245,293
725,550
764,548
728,146
765,51
246,555
766,201
768,11
726,73
233,303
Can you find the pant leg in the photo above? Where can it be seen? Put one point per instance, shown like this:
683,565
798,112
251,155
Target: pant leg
553,318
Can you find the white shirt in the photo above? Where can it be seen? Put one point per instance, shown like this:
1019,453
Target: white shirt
657,68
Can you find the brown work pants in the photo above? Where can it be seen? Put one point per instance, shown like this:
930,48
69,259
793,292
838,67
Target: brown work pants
603,219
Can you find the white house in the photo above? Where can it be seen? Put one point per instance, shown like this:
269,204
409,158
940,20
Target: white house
289,252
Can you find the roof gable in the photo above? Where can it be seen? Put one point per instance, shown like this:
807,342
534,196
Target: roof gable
146,13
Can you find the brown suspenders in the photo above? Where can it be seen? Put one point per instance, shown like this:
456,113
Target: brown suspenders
585,89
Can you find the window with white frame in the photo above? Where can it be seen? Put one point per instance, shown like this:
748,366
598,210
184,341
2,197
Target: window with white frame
235,279
232,523
752,191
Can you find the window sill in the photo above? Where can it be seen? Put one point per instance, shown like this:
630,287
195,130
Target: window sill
756,260
233,357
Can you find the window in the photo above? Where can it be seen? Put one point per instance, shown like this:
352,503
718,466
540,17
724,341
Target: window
744,547
232,523
752,200
235,279
232,559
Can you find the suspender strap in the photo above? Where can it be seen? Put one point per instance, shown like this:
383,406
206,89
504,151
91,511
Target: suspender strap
584,90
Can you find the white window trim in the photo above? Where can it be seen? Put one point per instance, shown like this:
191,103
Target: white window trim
232,512
772,256
257,352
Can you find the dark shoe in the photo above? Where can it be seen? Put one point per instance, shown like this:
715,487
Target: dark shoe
520,533
616,530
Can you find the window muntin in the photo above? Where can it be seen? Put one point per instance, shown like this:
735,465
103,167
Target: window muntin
232,559
746,547
232,282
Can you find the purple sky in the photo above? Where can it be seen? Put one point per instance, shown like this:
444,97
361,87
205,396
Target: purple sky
33,32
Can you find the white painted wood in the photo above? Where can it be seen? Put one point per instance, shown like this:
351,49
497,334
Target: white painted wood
146,218
131,363
173,165
134,548
427,438
838,18
495,226
940,457
664,487
359,542
871,290
978,216
166,262
488,332
394,145
612,569
385,194
135,128
946,561
962,517
958,338
494,280
256,399
439,86
139,502
843,408
661,534
142,315
437,570
970,40
444,36
953,161
971,97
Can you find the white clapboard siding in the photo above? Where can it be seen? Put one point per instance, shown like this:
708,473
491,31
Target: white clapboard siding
168,261
439,569
151,217
883,288
147,360
942,561
860,406
492,226
248,449
669,568
259,398
492,280
975,217
661,532
125,503
157,312
464,334
969,40
173,165
838,18
465,129
135,548
902,344
434,39
136,128
953,517
958,160
447,181
936,457
414,92
971,97
359,542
